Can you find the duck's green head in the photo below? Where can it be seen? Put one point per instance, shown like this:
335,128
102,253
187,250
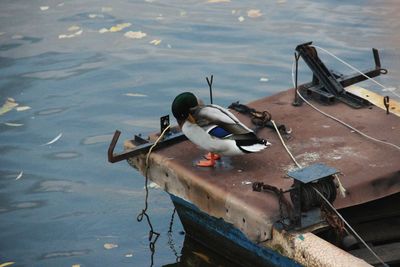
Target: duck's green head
182,105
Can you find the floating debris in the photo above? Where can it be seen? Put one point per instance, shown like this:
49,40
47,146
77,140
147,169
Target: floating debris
97,139
22,108
98,237
183,13
54,140
8,105
63,36
61,4
50,111
93,16
106,9
116,28
135,35
110,246
76,265
13,124
264,79
17,37
119,27
135,95
156,42
246,182
153,185
59,254
241,18
28,205
63,155
58,186
19,175
7,264
74,28
254,13
129,255
44,8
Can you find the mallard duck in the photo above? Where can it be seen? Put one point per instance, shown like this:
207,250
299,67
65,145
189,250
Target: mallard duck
214,129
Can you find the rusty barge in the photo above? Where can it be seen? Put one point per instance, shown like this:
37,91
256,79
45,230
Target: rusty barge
261,209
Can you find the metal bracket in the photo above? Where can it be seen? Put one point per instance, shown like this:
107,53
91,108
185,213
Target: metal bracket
386,104
143,145
164,123
172,138
328,85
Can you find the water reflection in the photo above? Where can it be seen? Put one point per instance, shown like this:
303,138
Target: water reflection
6,206
171,242
63,155
194,254
58,254
50,111
90,140
57,186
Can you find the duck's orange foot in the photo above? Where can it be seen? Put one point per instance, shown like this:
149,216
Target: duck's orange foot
206,163
215,156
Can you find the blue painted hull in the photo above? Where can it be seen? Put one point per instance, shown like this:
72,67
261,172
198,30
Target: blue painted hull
226,239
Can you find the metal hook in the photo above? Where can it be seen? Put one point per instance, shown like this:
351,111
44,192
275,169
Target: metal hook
111,148
386,103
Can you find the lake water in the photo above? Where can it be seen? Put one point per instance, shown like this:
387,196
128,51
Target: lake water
78,70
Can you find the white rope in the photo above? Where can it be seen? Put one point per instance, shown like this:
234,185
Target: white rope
357,70
341,188
284,145
327,201
155,143
338,120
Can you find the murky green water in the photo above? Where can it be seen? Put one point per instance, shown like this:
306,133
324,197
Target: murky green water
78,70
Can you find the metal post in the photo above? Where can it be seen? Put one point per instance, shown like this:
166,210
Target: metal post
297,101
210,86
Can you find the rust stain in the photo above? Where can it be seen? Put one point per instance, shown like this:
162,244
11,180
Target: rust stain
370,170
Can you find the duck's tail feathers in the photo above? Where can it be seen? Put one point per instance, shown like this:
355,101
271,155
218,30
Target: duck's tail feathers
256,146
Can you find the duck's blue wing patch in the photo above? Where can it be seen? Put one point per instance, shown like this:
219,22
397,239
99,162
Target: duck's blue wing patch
218,132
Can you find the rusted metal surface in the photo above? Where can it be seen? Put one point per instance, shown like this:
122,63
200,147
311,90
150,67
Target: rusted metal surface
370,170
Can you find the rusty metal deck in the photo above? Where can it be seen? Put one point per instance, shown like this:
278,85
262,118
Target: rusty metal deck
370,170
